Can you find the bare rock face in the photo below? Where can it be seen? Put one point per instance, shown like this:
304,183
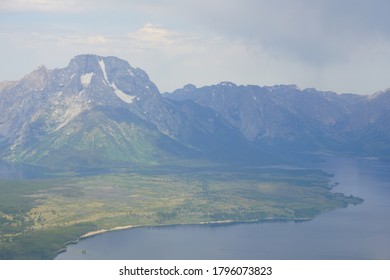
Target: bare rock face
287,118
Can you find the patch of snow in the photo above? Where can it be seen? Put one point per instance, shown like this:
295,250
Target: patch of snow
103,67
73,75
122,96
147,87
86,79
131,73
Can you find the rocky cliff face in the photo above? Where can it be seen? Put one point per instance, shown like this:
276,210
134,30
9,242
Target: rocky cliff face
288,118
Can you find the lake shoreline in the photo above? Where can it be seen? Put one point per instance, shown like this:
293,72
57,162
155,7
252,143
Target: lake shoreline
222,222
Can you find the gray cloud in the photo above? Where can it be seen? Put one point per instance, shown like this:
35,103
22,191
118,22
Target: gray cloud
316,31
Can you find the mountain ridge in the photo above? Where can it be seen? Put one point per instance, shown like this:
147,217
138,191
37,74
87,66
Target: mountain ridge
285,113
102,111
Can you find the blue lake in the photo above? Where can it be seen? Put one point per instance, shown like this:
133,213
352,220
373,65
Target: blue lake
356,232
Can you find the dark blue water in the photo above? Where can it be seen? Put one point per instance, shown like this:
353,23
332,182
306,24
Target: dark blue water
356,232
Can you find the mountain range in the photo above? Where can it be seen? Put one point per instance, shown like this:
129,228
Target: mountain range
100,111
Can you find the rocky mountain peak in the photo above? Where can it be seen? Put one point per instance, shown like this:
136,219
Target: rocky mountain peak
113,75
108,68
36,80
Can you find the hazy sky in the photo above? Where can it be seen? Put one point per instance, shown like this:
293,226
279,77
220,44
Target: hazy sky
337,45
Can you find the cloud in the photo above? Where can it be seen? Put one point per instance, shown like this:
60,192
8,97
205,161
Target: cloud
154,34
43,5
76,6
315,32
